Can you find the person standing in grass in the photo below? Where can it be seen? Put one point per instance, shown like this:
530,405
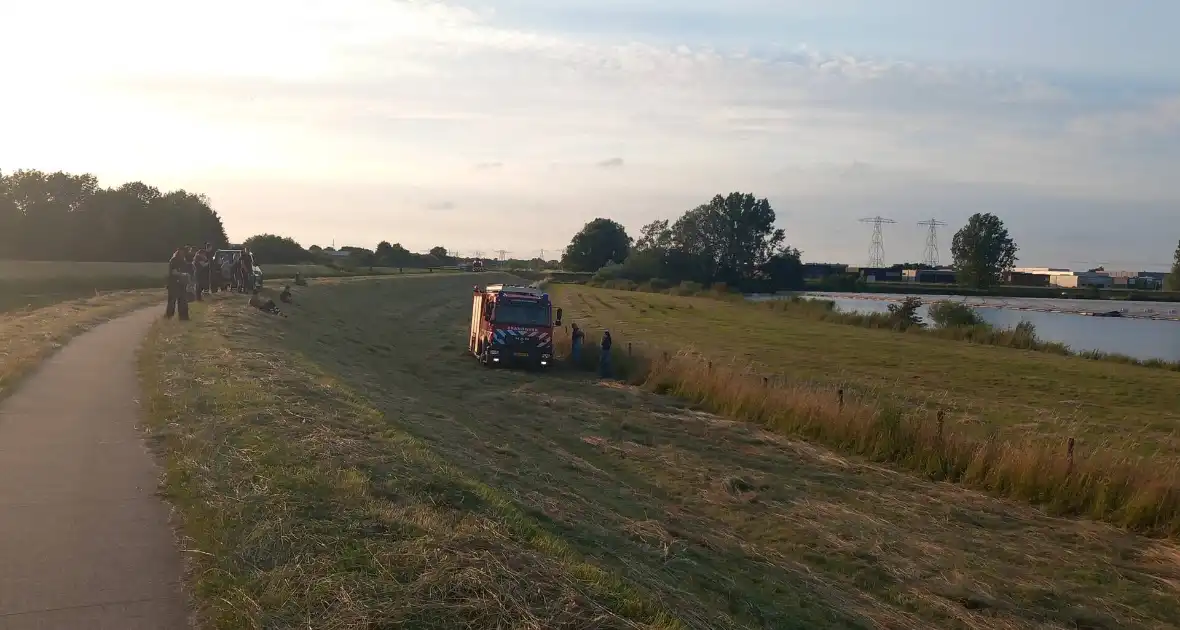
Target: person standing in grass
178,279
604,355
247,270
577,338
201,269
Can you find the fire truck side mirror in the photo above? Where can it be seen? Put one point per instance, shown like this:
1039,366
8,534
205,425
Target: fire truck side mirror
487,312
557,322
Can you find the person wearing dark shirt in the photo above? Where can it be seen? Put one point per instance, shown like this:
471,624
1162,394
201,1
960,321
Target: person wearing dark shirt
247,270
201,272
604,355
577,338
178,278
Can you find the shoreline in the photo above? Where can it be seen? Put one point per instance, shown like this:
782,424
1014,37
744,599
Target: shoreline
930,298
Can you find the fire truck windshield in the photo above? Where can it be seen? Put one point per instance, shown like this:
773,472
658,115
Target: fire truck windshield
518,314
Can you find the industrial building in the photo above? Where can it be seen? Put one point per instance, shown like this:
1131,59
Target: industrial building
930,276
1026,279
1081,280
1098,278
877,274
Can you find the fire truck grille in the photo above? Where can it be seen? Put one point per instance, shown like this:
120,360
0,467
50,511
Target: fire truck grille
522,337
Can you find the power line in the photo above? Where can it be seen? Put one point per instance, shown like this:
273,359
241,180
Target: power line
877,245
930,256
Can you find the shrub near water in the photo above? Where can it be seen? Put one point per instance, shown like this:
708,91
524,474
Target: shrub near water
947,314
1134,492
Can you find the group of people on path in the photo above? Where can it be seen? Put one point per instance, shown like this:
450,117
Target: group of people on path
578,339
191,274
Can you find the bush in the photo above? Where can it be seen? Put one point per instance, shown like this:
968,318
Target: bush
660,284
620,284
904,315
947,314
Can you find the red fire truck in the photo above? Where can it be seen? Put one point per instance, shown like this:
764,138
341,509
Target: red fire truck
512,325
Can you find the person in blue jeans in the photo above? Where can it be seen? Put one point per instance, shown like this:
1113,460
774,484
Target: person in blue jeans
604,355
577,338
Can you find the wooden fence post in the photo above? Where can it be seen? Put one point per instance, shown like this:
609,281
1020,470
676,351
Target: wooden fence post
766,381
628,348
1069,454
941,417
840,397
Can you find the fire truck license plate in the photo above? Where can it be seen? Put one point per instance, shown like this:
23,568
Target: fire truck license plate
522,354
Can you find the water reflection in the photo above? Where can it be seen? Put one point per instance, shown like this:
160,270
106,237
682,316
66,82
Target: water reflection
1139,338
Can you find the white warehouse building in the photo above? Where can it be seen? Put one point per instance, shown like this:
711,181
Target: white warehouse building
1068,279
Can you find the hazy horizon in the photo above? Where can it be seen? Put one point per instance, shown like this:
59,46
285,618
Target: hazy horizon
508,124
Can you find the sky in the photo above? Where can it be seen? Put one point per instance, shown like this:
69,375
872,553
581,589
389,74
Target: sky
486,125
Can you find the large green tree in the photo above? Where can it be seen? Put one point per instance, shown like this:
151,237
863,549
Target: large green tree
394,255
60,216
983,251
601,241
277,250
729,238
1173,283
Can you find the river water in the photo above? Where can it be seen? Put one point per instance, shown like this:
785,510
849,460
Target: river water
1134,334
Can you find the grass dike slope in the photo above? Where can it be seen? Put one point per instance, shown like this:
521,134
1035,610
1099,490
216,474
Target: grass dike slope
350,467
984,390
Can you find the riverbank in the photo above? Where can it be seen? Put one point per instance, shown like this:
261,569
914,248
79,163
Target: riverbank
1063,306
1011,334
1007,290
1084,437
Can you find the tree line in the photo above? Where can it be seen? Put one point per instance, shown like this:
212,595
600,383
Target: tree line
61,216
275,249
732,240
729,240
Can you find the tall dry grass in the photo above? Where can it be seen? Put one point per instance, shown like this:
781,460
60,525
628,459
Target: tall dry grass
1075,479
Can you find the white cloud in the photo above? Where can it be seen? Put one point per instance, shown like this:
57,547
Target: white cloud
415,101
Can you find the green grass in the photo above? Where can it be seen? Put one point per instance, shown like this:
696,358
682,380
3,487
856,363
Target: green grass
984,390
30,284
350,466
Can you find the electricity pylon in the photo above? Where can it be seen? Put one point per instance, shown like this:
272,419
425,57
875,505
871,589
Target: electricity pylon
930,256
877,245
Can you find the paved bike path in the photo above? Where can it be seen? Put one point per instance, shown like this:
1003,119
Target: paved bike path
84,540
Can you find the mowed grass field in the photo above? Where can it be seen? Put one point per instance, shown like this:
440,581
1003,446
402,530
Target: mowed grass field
25,284
349,466
984,390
